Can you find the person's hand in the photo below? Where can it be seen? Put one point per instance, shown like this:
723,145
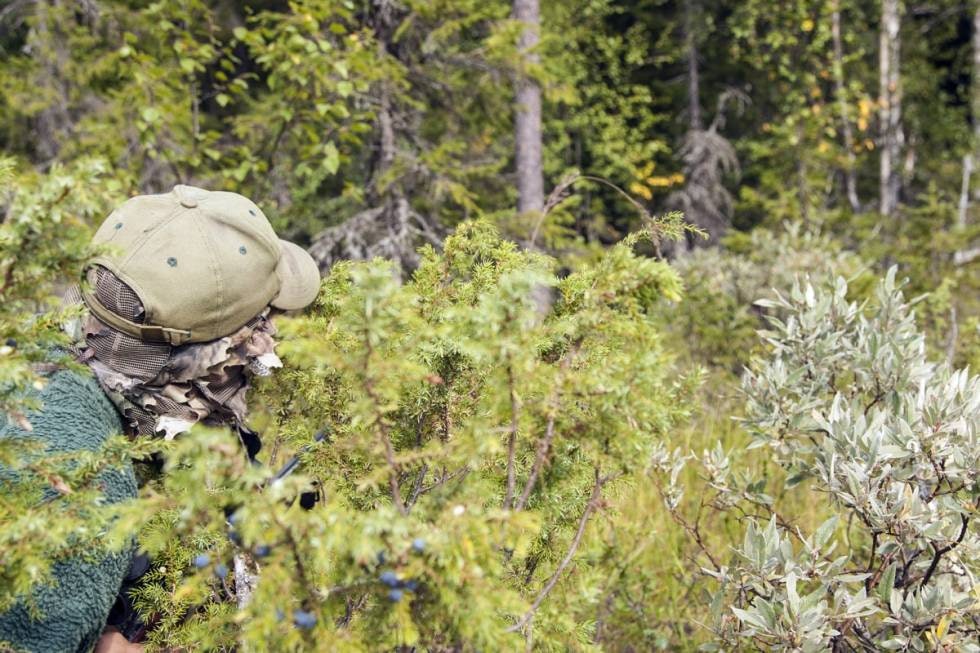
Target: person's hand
112,641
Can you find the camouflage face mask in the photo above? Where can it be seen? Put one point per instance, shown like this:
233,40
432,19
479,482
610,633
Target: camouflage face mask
161,389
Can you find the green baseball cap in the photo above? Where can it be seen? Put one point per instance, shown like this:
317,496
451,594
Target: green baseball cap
203,263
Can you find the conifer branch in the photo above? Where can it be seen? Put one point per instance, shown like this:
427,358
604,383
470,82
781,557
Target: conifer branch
512,438
576,540
383,430
544,444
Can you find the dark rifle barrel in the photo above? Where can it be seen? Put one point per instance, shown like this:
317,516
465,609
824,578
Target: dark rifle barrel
293,463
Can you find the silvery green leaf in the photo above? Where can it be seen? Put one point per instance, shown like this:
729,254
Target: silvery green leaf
751,618
887,583
791,595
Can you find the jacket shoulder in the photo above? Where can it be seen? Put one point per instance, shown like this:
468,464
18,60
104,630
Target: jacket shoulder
75,415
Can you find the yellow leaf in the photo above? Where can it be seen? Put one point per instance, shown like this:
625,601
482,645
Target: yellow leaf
660,182
864,107
641,190
645,171
942,627
807,25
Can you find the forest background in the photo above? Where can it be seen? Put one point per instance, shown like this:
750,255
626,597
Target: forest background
544,432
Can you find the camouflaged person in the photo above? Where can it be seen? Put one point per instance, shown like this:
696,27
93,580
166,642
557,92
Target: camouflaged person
177,319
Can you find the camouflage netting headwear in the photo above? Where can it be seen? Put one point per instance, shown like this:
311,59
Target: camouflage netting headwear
161,388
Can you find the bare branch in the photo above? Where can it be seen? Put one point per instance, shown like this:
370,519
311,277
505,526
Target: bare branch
939,553
383,430
589,509
965,256
544,445
512,438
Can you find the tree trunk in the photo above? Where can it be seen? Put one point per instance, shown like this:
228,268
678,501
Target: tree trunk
48,43
802,174
850,173
527,123
890,109
693,78
975,94
386,133
967,255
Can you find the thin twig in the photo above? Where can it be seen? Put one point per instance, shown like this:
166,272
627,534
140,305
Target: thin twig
558,194
946,549
417,487
512,438
383,431
544,444
298,559
445,478
589,508
694,530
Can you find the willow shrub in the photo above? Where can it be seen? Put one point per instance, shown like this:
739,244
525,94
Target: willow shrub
848,403
478,418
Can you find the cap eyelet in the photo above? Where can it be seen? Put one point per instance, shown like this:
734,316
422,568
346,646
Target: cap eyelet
172,262
242,250
119,225
251,212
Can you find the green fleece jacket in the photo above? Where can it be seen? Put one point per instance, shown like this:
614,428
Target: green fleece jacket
75,416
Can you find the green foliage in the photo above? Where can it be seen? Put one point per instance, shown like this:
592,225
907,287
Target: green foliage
44,237
51,506
718,319
924,243
502,407
848,403
474,429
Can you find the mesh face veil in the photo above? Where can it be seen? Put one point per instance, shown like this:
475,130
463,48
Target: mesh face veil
163,389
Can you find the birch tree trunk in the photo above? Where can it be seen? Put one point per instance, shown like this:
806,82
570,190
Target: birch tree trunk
975,93
840,88
527,122
969,254
890,106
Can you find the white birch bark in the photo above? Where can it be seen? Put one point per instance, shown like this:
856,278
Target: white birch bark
840,89
527,122
890,106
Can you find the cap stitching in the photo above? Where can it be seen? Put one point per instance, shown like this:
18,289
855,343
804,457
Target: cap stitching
270,241
213,265
142,240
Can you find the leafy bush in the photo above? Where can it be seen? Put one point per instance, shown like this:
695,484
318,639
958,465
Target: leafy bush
477,417
49,503
848,402
718,320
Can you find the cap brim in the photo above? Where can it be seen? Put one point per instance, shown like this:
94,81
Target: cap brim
299,275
